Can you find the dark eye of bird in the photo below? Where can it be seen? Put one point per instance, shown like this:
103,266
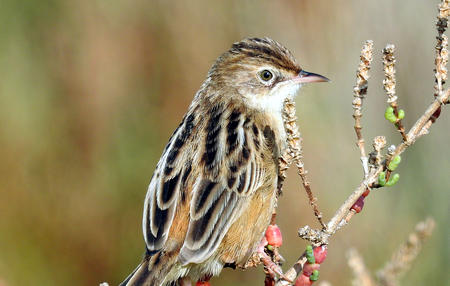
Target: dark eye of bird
266,75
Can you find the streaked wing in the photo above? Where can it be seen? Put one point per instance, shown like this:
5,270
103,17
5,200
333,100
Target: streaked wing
212,157
167,184
231,173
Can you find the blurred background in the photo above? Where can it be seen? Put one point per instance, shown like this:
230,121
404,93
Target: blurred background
90,92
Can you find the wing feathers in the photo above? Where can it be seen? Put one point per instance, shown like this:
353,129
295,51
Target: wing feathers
168,193
217,202
164,190
222,173
205,195
204,235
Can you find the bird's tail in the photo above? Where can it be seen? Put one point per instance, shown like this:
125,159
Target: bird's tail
152,271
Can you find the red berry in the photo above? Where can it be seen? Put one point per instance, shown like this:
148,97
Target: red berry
358,205
202,283
366,193
309,268
435,114
303,280
273,235
320,253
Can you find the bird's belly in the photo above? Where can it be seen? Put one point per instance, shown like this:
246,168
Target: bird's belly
244,236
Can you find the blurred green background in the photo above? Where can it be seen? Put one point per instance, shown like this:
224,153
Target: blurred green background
90,92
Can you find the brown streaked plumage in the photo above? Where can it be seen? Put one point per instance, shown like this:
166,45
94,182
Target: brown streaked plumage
213,191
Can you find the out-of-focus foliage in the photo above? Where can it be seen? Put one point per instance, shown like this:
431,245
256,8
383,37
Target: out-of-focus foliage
90,91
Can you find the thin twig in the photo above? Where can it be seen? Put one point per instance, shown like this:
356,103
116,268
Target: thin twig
361,275
404,256
441,59
295,150
412,136
389,85
293,272
359,92
420,128
379,143
338,220
423,123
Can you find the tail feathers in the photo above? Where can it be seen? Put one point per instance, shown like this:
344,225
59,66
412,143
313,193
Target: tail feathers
152,271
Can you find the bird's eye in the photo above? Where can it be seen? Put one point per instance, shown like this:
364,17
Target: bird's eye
266,75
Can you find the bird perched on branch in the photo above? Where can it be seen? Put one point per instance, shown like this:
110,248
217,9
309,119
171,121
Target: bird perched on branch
214,189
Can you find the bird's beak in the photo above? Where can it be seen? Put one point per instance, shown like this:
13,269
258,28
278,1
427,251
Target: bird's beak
306,77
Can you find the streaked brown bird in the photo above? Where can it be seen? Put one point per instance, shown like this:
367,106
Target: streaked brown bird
213,192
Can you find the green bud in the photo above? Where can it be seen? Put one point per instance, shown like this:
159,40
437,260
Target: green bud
311,259
393,180
389,114
310,254
401,114
314,276
394,163
382,179
269,247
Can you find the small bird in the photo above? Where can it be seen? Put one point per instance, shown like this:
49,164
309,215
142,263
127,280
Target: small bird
214,189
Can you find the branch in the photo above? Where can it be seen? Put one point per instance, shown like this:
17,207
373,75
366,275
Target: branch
372,173
361,275
404,256
295,151
359,92
389,86
399,263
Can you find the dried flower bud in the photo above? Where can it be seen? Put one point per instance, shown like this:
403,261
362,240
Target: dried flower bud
391,149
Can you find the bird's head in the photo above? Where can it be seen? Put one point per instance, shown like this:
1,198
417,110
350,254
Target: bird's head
261,72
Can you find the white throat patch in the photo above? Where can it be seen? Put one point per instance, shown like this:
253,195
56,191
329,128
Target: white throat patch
273,102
